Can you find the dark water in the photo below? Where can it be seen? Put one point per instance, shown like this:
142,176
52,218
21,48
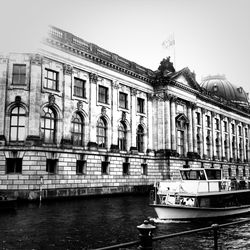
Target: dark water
97,222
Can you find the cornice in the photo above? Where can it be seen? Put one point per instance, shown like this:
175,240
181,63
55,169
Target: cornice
68,42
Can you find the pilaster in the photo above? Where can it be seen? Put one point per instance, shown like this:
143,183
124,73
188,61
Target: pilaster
173,125
167,121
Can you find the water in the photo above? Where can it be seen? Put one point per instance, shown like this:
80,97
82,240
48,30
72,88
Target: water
97,222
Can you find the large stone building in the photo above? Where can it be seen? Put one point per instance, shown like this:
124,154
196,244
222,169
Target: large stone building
76,119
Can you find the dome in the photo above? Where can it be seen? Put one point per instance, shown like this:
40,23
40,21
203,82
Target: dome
221,87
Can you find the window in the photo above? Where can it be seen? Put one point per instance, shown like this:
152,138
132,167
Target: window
217,123
234,147
17,124
103,94
81,166
123,100
198,144
140,105
48,125
246,132
144,168
232,129
101,133
225,126
140,138
51,165
51,79
77,129
125,167
198,118
79,88
226,147
241,148
246,149
14,165
208,121
105,165
208,144
122,136
217,145
240,131
19,74
180,142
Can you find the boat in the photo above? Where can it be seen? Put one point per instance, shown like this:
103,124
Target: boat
7,203
200,193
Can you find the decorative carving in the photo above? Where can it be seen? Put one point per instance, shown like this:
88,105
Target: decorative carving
123,116
93,77
213,114
166,66
51,99
134,91
222,117
36,59
18,100
67,69
167,97
192,105
174,98
150,97
141,119
203,111
104,110
79,105
116,85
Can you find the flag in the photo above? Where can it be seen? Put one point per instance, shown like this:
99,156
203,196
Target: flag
170,41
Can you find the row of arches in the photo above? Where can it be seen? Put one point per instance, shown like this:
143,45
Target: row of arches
48,128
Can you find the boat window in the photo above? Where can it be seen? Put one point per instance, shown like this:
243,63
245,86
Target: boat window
213,174
193,175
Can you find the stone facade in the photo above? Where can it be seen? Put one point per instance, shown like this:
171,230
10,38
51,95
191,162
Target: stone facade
79,120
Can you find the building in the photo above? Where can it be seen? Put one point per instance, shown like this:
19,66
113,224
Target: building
76,119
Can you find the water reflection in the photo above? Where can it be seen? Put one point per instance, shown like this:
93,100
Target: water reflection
96,222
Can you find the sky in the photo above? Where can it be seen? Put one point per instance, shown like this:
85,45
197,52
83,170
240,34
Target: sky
211,36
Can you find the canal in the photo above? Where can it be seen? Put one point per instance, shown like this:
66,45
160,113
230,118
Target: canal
90,223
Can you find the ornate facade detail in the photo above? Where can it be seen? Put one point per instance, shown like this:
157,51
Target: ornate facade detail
51,99
18,100
174,98
150,97
134,91
116,85
67,69
141,119
203,111
213,114
167,97
123,116
222,117
79,105
93,77
104,110
36,59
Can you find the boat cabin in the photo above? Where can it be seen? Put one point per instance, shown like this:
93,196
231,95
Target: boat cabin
201,174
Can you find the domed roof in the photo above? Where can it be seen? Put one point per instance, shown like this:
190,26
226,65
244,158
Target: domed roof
220,86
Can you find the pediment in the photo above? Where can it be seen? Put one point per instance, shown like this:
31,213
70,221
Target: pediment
181,121
187,78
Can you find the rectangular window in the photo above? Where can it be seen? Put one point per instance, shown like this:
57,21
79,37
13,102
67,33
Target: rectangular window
225,126
81,167
19,74
125,167
180,142
198,118
232,129
79,88
140,105
217,124
105,166
240,131
51,165
14,165
208,121
123,100
144,168
103,94
246,132
51,79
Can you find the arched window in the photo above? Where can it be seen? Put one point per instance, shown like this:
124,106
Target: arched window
122,136
48,125
77,129
101,135
140,138
17,124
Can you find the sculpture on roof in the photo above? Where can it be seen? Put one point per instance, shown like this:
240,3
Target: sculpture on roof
166,66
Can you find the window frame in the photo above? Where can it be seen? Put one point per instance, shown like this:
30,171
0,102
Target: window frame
14,163
51,169
103,94
54,80
77,134
140,138
82,88
99,135
123,103
122,140
140,105
21,81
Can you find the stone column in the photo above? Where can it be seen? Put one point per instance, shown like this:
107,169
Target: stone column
167,121
222,137
213,135
114,113
35,99
160,124
92,106
230,138
150,121
173,125
133,117
3,86
190,128
204,134
237,139
67,110
194,128
244,141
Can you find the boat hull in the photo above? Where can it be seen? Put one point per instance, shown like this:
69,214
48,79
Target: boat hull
175,212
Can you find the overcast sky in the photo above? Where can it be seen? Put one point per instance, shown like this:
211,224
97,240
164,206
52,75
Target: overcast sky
211,36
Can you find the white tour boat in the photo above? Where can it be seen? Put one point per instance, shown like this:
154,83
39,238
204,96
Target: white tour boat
200,193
